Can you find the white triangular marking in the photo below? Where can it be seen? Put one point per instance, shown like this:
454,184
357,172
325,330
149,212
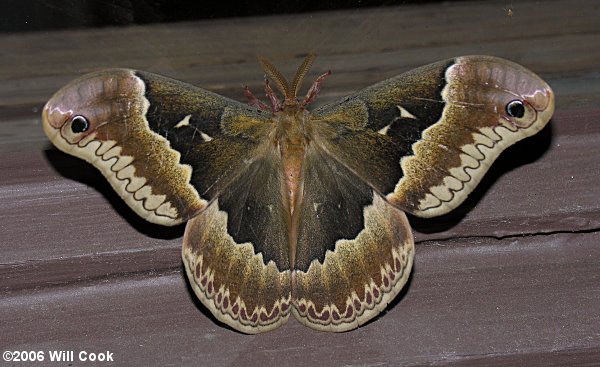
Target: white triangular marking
385,129
404,113
184,122
205,137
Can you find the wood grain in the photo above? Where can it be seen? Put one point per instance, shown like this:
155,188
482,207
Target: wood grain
512,277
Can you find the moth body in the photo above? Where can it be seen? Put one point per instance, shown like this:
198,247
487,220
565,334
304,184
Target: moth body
291,140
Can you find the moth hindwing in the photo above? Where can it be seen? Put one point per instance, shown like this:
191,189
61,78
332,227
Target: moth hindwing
292,211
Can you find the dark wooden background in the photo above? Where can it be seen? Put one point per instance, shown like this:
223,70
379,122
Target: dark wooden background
512,277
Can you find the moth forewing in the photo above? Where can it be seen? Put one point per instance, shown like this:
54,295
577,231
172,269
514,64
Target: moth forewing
447,122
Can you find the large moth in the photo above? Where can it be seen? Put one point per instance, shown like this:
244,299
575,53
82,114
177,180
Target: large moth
291,210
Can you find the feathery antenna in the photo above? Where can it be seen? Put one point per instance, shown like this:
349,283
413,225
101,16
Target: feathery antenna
276,76
290,92
301,73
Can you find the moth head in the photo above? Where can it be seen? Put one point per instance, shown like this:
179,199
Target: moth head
289,90
82,110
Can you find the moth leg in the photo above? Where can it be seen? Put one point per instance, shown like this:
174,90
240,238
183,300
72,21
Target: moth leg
314,90
275,102
253,101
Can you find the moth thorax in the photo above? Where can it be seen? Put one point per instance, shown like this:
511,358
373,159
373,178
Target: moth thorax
291,126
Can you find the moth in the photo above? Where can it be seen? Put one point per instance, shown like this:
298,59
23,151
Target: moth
292,211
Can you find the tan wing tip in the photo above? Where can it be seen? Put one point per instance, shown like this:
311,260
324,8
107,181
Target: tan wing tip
544,102
519,80
76,97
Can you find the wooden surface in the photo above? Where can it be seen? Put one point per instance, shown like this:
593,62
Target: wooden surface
512,277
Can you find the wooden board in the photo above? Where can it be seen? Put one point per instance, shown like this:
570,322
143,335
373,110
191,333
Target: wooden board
512,277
